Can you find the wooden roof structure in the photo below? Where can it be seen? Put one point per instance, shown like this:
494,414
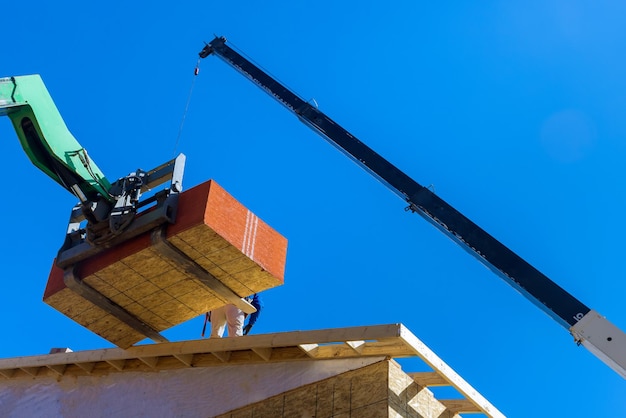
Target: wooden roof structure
391,341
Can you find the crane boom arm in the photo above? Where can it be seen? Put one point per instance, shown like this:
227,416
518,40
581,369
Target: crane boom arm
46,140
589,328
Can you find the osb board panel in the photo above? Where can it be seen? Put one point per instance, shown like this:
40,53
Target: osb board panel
110,328
375,391
214,230
360,393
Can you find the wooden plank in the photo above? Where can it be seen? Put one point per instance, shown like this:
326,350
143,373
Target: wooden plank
396,349
284,339
264,352
461,406
427,379
186,359
150,361
7,373
117,364
224,356
32,371
357,346
370,349
311,350
57,368
275,340
86,366
301,338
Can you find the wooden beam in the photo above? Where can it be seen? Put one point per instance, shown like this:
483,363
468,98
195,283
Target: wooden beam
357,346
382,340
284,339
117,364
429,379
311,350
264,352
329,351
59,358
87,367
8,373
186,359
224,356
150,361
30,370
461,406
57,368
395,348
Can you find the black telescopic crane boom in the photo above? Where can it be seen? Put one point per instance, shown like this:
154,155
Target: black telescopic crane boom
530,282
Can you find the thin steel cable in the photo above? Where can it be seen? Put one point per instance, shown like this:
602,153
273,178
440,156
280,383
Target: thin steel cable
182,121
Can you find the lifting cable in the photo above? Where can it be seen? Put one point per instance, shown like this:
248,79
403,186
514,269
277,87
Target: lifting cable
196,71
195,74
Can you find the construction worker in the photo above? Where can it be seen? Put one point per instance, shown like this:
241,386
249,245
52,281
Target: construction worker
232,317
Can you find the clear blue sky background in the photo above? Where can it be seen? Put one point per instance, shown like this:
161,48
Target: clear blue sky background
514,111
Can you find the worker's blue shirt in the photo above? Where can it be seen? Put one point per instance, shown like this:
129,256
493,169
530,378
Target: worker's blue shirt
256,302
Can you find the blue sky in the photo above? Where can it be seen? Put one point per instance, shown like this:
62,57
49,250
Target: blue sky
513,111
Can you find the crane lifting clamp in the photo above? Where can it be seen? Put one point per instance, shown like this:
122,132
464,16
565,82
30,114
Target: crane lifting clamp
140,255
107,213
88,233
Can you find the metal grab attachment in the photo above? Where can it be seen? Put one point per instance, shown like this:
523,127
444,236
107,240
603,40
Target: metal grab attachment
127,219
189,266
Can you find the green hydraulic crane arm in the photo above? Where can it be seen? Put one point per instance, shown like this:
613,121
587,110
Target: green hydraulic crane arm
109,213
46,140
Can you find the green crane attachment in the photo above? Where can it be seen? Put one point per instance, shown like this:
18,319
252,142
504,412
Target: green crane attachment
46,140
108,212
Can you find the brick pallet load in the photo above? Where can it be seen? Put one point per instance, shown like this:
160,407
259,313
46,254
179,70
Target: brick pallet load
220,237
